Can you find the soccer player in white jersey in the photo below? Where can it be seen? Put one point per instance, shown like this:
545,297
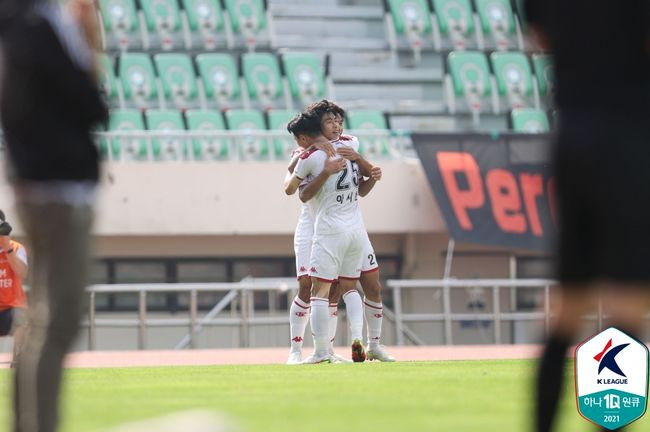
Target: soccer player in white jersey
332,128
337,248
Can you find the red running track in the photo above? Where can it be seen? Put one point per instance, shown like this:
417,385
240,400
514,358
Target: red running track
96,359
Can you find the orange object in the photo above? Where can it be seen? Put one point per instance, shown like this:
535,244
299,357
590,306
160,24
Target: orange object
11,286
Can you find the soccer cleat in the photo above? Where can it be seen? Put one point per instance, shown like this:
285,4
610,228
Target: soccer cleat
316,359
358,352
295,357
379,353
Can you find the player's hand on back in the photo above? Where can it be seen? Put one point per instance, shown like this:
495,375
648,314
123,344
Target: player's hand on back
375,173
326,146
348,153
332,166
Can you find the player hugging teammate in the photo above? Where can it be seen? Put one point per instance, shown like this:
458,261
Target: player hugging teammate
331,242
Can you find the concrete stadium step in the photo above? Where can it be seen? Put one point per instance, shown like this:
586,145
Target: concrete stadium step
318,27
373,74
326,10
331,43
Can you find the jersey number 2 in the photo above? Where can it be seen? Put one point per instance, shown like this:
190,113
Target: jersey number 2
342,184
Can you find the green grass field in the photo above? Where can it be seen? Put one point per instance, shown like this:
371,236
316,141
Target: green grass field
403,397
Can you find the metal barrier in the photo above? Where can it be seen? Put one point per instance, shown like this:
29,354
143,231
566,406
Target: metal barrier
240,296
447,316
238,291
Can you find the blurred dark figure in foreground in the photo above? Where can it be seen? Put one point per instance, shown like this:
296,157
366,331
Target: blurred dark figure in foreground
601,50
49,104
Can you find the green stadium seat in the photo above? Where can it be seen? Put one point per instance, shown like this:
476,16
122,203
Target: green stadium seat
263,81
497,22
163,19
455,21
207,148
247,18
411,18
138,80
372,147
514,78
125,148
178,80
278,120
166,148
107,80
205,19
529,120
248,122
220,79
469,80
305,75
544,73
120,24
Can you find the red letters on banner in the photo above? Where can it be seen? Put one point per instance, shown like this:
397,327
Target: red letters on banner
505,191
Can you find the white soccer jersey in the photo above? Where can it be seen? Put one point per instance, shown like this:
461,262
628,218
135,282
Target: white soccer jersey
335,207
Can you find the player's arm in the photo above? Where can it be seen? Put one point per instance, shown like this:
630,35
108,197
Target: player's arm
366,184
289,186
310,190
350,154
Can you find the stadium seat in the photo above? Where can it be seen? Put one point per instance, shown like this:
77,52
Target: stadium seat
164,25
529,120
248,122
206,148
220,79
264,84
372,147
544,74
138,80
514,78
205,19
278,120
125,148
166,148
248,19
178,79
410,18
120,24
455,22
305,74
469,81
107,80
497,24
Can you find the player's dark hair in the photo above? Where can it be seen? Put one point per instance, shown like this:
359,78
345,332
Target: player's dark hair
305,124
323,107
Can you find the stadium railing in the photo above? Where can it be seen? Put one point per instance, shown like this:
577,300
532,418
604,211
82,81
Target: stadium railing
241,294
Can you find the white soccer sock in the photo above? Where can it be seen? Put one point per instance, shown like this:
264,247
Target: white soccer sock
354,309
333,321
298,319
374,316
319,325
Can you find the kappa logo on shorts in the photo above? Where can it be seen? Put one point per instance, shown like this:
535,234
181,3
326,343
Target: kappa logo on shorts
303,269
313,270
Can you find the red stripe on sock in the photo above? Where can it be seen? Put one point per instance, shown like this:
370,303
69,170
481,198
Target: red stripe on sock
374,307
298,304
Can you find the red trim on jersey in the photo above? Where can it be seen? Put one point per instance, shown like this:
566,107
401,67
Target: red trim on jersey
371,270
298,304
374,307
346,138
307,153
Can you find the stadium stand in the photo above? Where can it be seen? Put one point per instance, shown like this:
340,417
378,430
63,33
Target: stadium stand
207,148
251,147
166,148
278,120
371,147
127,148
393,58
529,120
514,79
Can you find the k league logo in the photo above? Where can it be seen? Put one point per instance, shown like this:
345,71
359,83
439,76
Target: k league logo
611,378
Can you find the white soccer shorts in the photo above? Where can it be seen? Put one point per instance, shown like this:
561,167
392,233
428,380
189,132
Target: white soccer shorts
337,256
